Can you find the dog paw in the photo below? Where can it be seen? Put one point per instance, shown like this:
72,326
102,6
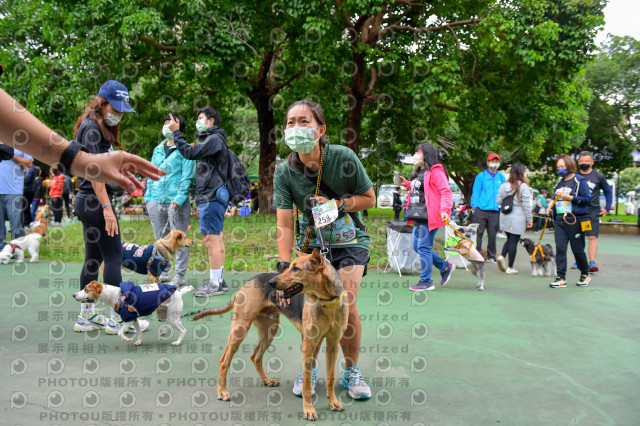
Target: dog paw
310,413
223,395
271,382
138,342
335,405
175,343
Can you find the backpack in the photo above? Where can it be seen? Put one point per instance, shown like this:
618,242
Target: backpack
507,202
66,186
237,178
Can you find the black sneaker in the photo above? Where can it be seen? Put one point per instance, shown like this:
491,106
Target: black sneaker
223,286
584,280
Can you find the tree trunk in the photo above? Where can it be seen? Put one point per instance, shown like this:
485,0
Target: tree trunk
465,183
267,163
358,91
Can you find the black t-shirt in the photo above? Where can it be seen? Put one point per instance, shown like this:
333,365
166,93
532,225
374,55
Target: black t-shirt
166,148
596,182
90,137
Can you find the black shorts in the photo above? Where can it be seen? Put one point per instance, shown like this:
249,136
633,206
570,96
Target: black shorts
341,257
595,225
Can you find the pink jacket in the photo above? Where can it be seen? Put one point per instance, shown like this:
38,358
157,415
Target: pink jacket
437,194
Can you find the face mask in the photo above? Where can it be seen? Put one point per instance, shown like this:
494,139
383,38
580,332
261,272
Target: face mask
585,167
563,172
166,132
200,126
417,159
494,166
112,119
300,139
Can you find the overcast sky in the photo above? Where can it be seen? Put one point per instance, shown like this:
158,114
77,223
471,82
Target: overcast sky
621,19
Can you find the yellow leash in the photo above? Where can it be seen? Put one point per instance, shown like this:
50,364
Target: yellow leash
544,228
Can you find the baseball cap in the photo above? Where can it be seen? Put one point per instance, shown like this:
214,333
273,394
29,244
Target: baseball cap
117,95
543,191
493,156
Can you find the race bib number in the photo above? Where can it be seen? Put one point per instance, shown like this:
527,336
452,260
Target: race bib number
324,214
340,232
149,287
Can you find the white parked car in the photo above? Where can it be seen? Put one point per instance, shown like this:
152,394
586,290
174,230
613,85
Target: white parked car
632,203
385,195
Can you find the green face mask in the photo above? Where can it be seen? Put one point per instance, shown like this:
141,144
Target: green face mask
300,139
200,126
166,132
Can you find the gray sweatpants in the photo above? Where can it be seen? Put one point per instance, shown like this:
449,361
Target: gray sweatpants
164,218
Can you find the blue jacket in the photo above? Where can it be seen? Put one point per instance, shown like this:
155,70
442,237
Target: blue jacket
144,259
581,197
143,302
485,190
174,187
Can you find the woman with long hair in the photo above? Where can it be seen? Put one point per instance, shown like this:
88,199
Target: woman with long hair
97,131
432,200
314,173
519,216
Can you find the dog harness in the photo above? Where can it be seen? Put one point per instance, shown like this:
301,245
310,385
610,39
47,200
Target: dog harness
139,301
14,247
144,259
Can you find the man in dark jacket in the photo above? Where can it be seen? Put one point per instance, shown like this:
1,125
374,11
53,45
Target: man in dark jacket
27,193
397,204
212,196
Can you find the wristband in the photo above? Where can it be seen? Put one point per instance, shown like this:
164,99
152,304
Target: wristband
70,153
343,206
106,205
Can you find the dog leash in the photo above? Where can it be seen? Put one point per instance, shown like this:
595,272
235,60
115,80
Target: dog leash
538,247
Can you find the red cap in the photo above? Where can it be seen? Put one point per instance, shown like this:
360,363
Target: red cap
493,156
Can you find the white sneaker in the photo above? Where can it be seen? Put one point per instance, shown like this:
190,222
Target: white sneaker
502,264
353,381
511,271
96,322
501,235
297,385
113,326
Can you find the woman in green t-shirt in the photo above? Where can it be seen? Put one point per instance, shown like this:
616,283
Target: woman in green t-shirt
342,177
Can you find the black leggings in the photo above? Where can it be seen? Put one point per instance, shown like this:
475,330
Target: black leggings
56,208
99,246
511,247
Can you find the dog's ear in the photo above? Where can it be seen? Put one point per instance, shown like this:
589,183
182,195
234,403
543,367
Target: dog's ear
316,261
298,252
178,234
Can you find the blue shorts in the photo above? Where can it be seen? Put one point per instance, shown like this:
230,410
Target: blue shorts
211,217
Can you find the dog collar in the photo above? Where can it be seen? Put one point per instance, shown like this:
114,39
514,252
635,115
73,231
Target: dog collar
336,302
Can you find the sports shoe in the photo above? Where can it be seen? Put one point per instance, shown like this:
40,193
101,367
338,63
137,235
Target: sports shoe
501,235
208,289
163,278
574,266
558,283
352,380
422,286
223,286
96,322
178,281
502,264
114,326
584,280
446,275
297,385
511,271
593,267
490,260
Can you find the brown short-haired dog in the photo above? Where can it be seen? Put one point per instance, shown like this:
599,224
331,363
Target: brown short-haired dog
320,314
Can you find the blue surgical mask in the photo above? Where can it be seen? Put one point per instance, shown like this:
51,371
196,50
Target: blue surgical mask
200,126
563,172
166,132
494,166
300,139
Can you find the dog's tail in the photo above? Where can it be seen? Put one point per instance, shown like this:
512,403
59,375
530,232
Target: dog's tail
211,311
186,289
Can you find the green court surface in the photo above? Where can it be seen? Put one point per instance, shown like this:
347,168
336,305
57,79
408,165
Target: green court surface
519,353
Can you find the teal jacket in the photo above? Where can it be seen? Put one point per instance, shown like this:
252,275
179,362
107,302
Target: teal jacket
174,187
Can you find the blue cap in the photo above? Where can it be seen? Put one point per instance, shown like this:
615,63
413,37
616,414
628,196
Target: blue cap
117,95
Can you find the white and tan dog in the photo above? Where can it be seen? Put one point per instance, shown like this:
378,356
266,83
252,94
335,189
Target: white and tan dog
138,301
16,248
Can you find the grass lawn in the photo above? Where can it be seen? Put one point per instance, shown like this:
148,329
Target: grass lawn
247,240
